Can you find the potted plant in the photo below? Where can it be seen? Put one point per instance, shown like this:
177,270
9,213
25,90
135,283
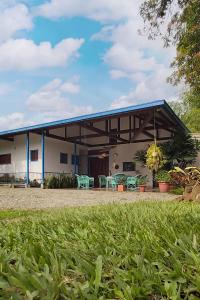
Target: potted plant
121,186
163,178
142,184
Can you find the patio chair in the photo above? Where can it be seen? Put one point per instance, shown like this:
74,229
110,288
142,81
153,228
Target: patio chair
131,182
102,181
114,183
84,182
119,178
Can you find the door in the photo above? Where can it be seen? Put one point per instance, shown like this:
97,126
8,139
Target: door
98,166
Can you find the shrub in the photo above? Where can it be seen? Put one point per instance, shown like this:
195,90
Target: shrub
142,180
60,182
52,182
163,176
188,176
177,190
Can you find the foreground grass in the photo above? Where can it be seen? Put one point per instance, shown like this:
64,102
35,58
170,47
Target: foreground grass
133,251
12,214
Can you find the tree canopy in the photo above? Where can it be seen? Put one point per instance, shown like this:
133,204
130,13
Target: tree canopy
177,22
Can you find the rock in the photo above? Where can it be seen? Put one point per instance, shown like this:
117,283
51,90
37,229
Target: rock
196,193
187,196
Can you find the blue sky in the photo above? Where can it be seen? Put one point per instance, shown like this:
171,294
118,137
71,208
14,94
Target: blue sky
61,58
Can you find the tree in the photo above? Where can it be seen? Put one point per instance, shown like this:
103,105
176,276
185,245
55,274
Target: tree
182,30
188,110
180,151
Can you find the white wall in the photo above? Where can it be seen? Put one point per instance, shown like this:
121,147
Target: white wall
52,156
126,153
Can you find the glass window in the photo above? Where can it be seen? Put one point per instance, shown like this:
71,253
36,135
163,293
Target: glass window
5,159
63,158
34,155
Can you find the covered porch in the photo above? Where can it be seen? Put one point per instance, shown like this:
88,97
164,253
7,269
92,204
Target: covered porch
97,144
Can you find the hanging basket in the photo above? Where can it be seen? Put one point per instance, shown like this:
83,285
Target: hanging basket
154,158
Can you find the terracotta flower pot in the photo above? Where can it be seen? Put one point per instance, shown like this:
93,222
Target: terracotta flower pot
164,187
121,188
142,188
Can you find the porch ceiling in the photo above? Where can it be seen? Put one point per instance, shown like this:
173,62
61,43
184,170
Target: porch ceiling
129,125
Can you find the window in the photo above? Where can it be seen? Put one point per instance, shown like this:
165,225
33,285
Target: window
75,159
34,155
5,159
128,166
63,158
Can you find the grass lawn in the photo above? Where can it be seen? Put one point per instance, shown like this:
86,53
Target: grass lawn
132,251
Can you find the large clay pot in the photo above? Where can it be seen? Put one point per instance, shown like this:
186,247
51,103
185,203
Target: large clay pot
142,188
164,187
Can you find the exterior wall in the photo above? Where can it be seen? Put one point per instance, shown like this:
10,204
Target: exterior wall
126,153
52,156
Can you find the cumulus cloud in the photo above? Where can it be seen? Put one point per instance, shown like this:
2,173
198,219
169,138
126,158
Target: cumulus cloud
145,63
14,120
103,11
13,19
152,87
53,102
22,54
131,55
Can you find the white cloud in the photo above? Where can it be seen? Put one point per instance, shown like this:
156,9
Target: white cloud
152,87
52,101
100,10
13,19
22,54
14,120
145,63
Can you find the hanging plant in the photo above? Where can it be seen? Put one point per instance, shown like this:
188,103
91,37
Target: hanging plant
154,158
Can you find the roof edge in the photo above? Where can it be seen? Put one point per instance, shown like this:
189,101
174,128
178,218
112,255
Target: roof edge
117,111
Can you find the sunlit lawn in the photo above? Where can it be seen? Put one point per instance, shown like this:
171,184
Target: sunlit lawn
132,251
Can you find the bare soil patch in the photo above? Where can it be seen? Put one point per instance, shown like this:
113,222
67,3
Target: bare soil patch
35,198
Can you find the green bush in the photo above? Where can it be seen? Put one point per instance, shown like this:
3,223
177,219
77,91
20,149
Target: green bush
177,190
60,182
52,182
163,176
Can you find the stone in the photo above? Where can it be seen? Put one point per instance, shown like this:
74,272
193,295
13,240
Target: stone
196,193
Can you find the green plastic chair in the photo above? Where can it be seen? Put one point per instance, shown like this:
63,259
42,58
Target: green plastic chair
102,181
131,182
119,178
84,182
114,183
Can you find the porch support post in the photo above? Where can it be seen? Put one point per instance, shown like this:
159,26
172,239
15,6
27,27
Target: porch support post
75,154
43,158
27,160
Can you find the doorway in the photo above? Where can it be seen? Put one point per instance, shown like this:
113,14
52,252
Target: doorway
98,166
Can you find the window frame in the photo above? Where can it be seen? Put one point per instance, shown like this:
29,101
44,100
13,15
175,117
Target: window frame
32,153
65,156
5,159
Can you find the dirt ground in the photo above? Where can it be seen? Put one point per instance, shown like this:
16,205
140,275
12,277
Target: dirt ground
21,198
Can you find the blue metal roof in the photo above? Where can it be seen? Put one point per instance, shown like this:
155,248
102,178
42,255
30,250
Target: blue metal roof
157,103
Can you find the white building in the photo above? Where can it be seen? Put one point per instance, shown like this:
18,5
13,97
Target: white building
100,143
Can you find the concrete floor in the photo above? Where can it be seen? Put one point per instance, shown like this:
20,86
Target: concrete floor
36,198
